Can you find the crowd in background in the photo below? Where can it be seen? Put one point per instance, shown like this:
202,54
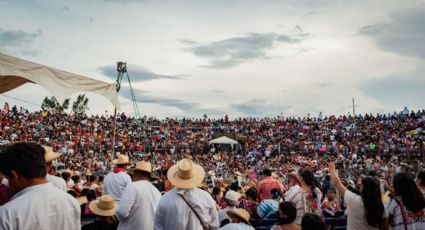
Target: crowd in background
287,173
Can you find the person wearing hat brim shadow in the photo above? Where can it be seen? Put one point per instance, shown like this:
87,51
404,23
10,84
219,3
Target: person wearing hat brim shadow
116,181
140,199
186,206
49,156
240,220
104,210
294,194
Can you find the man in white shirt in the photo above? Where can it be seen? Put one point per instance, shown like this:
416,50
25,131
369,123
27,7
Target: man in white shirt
140,199
240,220
54,180
232,198
186,207
35,204
116,181
294,195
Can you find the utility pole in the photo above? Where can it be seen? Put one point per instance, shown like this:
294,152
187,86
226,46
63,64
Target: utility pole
354,109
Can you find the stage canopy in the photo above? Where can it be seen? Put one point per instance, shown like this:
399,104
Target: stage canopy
223,140
15,72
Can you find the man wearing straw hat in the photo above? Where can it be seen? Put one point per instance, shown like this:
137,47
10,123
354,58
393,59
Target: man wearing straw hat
57,182
186,207
104,209
240,220
139,200
116,181
35,204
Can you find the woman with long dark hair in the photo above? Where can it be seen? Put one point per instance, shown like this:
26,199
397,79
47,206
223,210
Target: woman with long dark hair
365,211
311,194
407,205
420,181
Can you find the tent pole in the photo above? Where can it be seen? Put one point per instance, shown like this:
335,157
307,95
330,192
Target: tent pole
114,127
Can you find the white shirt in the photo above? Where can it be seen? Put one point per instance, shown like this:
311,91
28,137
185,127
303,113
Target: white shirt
222,214
174,213
56,182
294,195
398,223
137,207
115,183
356,213
41,207
237,226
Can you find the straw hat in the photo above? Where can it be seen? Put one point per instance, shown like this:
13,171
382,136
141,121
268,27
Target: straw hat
240,212
294,175
82,200
105,206
141,166
122,160
232,195
77,173
68,171
49,156
211,173
238,173
186,174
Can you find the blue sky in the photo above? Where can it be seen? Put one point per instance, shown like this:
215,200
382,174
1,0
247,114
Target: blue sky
241,57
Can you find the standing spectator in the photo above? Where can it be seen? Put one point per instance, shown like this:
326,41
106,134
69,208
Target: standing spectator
140,199
407,207
294,195
104,209
240,220
365,211
232,199
116,181
36,204
211,180
311,194
53,179
286,217
186,206
266,185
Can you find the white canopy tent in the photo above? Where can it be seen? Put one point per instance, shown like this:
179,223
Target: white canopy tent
15,72
224,140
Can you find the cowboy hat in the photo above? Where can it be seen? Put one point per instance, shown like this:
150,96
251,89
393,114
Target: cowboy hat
105,206
238,173
294,175
142,166
82,200
49,156
211,173
122,160
186,174
241,213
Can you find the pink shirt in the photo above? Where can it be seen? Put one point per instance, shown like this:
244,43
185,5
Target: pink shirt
265,187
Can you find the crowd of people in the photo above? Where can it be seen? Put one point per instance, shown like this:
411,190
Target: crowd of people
287,173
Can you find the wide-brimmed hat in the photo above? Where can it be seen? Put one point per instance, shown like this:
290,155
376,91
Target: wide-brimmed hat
211,173
240,212
238,173
122,160
82,200
294,175
142,166
105,206
186,174
49,156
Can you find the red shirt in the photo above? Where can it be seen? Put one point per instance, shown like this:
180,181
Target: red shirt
265,187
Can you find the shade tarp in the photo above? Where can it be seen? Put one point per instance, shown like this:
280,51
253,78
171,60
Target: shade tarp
15,72
223,140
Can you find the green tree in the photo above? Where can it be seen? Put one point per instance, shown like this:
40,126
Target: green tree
52,104
79,106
